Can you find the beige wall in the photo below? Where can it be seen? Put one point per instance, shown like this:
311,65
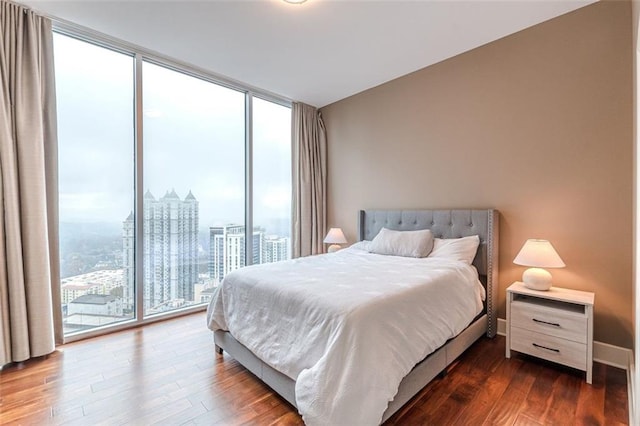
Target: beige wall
537,125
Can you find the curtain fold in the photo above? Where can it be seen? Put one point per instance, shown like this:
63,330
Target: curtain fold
28,289
309,180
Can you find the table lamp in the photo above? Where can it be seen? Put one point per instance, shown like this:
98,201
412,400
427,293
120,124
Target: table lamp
335,237
538,254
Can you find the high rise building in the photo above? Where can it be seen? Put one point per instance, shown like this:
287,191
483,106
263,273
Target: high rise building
128,235
275,249
170,249
227,249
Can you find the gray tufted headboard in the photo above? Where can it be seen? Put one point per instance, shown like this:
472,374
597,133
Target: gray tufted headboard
448,224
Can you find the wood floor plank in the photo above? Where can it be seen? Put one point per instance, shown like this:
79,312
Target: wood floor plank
484,382
540,397
590,405
615,404
490,393
168,374
513,396
524,420
565,393
179,417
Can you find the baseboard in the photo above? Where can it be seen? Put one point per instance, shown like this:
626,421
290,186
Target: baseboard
604,353
614,356
632,387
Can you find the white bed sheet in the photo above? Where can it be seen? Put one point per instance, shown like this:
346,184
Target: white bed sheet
347,326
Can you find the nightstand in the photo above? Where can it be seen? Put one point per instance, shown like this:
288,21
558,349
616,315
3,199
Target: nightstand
556,325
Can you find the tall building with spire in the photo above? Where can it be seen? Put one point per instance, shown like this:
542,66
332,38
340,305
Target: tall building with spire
170,245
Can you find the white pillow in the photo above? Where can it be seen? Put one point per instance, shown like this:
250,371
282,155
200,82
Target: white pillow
360,245
402,243
463,249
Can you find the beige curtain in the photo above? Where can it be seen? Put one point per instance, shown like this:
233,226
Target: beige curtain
27,137
309,180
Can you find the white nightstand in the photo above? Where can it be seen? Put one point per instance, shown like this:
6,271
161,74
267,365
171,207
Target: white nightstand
556,325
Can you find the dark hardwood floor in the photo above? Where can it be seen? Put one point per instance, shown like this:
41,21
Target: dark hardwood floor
167,373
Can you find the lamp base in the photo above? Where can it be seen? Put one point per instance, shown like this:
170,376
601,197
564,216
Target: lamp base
537,279
333,248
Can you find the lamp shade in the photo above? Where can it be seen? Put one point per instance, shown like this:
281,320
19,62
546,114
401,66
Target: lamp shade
539,254
335,236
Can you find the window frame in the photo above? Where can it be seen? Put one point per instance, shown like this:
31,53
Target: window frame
139,55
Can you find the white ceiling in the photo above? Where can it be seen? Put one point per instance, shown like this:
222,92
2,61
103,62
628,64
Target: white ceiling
318,52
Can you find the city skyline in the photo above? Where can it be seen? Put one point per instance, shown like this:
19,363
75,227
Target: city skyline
172,263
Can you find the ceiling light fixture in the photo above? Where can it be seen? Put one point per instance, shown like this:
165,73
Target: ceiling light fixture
295,1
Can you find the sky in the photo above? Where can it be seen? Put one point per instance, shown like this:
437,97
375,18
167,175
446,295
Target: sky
193,140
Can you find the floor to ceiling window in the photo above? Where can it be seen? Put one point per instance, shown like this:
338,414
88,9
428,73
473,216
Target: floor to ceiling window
133,249
95,110
272,179
194,154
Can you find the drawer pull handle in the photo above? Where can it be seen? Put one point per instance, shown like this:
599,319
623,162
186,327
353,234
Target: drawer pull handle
555,324
544,347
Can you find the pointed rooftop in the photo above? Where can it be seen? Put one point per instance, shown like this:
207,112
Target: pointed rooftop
149,196
190,196
171,195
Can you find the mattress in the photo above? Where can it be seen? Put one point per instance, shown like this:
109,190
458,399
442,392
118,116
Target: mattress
346,326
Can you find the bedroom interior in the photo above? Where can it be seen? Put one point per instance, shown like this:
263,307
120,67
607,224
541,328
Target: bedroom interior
540,125
393,234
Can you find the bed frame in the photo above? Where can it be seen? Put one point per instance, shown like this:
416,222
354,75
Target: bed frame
443,224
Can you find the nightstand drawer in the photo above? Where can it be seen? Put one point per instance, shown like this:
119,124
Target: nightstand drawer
564,324
550,348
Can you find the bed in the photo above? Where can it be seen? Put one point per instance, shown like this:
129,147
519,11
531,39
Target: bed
324,373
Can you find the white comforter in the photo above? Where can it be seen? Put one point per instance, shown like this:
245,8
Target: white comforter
347,326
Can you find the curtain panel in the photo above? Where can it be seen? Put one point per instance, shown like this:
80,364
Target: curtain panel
29,287
309,216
